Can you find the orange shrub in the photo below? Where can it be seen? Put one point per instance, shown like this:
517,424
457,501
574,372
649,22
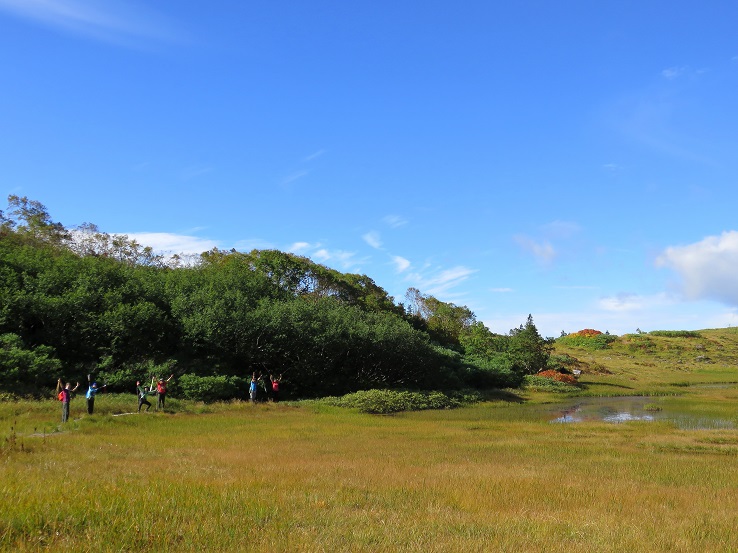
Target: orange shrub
586,333
556,375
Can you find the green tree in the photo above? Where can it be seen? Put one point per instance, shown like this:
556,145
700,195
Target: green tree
528,349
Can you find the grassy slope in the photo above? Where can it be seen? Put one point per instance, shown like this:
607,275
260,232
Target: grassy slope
641,363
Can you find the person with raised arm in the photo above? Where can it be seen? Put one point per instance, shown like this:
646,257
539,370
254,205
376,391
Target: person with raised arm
64,392
161,392
92,390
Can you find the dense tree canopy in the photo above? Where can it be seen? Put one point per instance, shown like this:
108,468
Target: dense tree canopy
80,301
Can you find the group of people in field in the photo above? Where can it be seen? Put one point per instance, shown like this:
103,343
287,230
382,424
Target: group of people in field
159,389
65,391
271,389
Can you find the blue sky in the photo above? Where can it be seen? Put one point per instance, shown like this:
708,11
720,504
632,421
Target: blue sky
570,160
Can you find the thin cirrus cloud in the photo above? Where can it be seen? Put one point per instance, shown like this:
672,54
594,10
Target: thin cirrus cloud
439,283
373,239
706,268
114,22
394,221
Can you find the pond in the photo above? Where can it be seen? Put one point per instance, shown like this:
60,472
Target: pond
625,409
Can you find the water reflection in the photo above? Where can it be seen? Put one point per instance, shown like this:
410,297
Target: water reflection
627,409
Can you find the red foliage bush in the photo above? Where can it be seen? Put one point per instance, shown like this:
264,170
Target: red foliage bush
556,375
587,333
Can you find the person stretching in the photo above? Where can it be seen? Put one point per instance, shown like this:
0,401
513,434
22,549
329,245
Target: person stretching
142,393
161,392
90,395
65,392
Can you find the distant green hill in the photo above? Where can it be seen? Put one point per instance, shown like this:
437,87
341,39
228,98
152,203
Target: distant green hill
656,361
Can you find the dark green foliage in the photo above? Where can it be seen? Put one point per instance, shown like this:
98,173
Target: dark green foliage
87,302
26,370
498,371
528,349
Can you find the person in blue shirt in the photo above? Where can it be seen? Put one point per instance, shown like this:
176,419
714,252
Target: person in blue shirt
253,387
90,395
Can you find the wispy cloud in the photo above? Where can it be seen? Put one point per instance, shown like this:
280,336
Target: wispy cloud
543,251
440,282
401,264
294,176
501,290
346,261
394,221
115,22
673,72
706,268
373,239
314,155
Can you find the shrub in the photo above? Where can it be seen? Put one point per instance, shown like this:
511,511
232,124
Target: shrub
587,339
211,388
543,384
392,401
676,333
559,377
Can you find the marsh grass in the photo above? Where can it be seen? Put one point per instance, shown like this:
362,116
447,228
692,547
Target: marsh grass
243,477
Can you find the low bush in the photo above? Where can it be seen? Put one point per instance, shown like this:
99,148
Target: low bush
587,339
676,333
393,401
542,384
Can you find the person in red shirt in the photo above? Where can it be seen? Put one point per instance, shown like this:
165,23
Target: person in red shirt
275,387
161,392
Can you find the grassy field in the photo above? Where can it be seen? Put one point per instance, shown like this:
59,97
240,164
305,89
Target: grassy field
306,477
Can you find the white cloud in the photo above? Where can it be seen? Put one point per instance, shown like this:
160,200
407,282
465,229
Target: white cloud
543,251
500,290
707,269
166,242
115,22
300,247
440,282
345,260
373,239
394,221
622,302
673,72
401,264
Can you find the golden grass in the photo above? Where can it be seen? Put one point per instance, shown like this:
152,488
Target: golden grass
286,478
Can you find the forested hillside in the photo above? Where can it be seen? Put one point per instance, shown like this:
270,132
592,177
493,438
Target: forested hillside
75,301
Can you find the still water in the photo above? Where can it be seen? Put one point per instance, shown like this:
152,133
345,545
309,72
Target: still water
625,409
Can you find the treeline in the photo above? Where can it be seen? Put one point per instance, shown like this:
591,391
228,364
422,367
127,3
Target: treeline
78,301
